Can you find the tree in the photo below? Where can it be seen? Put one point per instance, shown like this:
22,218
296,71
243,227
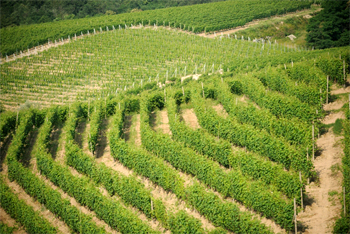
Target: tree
330,27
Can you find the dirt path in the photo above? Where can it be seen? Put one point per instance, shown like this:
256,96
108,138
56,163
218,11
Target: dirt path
137,130
163,120
258,21
319,217
220,110
190,118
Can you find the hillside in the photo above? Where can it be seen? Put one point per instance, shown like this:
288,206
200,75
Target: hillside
208,17
154,129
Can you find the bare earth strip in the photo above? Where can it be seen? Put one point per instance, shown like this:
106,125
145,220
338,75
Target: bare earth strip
162,117
320,216
220,110
190,118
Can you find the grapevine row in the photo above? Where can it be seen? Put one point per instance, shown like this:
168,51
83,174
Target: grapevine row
37,188
107,209
223,15
224,214
280,105
244,135
22,213
250,193
220,150
129,189
294,131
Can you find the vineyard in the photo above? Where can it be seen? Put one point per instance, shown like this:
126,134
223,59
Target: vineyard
137,125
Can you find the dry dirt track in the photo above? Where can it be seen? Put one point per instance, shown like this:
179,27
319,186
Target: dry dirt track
322,209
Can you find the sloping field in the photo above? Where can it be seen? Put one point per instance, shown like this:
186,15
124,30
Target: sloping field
152,130
196,18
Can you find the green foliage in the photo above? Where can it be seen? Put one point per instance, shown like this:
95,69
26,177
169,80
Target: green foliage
183,223
308,73
95,125
7,123
330,27
279,105
277,80
333,67
160,173
82,190
235,87
29,12
22,213
156,101
256,140
250,193
342,225
224,214
132,104
220,150
182,97
338,127
294,131
37,188
6,229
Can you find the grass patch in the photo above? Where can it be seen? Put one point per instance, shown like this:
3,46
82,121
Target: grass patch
338,127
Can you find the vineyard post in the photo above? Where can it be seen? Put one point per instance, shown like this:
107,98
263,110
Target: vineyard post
202,89
105,107
164,95
344,72
80,220
313,141
307,157
89,109
295,217
183,92
344,200
152,205
301,192
17,119
327,89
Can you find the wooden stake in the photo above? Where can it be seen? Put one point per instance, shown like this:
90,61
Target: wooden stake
17,118
327,89
89,109
344,200
106,107
313,142
301,192
151,205
344,74
295,217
